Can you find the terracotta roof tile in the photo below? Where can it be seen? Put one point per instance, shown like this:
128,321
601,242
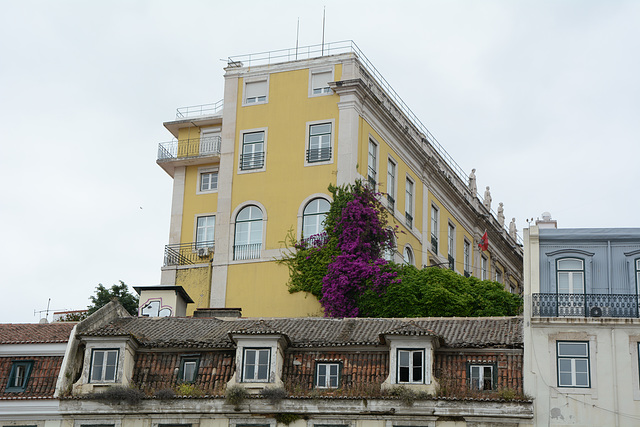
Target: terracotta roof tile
314,332
35,333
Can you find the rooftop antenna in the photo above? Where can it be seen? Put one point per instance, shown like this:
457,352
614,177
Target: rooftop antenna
297,37
44,311
324,9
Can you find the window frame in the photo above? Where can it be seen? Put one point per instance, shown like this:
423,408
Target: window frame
102,379
451,246
207,171
322,160
408,251
372,163
481,367
327,365
410,367
324,91
435,219
467,257
251,251
183,361
409,194
242,161
254,80
204,243
305,215
573,359
392,171
16,365
571,273
256,365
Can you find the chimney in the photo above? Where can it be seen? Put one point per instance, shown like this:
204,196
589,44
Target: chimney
162,301
546,221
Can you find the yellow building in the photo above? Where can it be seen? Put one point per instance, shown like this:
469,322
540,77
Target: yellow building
256,165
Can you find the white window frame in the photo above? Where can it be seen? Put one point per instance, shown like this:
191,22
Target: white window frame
467,256
316,71
328,376
235,233
573,360
197,229
255,80
499,274
256,378
571,274
319,225
481,377
241,150
484,268
409,194
203,171
105,352
407,256
392,172
435,220
309,124
410,366
372,163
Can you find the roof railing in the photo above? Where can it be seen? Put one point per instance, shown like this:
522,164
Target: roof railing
199,110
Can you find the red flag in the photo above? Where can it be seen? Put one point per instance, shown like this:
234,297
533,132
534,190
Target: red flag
484,242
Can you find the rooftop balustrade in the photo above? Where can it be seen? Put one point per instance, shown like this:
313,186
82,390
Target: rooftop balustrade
585,305
189,148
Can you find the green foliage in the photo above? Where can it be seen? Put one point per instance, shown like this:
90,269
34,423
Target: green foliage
104,296
286,418
435,292
120,394
273,394
186,389
75,316
164,394
235,395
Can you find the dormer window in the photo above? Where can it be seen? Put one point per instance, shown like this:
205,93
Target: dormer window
19,376
188,369
255,367
327,375
411,366
104,365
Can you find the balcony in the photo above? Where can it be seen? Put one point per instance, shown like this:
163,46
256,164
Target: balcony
189,148
188,253
249,251
585,305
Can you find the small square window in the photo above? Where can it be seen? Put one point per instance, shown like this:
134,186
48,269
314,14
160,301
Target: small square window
19,376
327,375
208,181
411,366
256,365
104,366
320,82
573,364
481,377
188,369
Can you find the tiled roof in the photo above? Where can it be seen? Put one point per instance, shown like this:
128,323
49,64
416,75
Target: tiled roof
35,333
42,380
315,332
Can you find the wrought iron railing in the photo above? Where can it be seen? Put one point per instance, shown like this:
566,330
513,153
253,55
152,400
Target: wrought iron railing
199,110
452,262
434,244
250,161
408,219
584,305
188,253
250,251
195,147
315,241
318,154
391,203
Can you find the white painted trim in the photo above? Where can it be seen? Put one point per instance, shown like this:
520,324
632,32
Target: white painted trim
207,169
304,204
28,409
254,79
40,349
195,224
232,234
313,71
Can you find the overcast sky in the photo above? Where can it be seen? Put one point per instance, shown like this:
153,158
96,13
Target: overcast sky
541,97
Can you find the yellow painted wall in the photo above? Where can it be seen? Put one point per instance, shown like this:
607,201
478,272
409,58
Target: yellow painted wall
197,283
195,204
260,289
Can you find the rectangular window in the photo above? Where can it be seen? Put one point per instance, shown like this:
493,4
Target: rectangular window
451,239
411,366
252,151
484,267
467,258
255,92
481,377
573,364
208,181
434,229
327,375
209,142
256,365
320,82
391,185
570,276
104,366
319,143
19,376
188,369
498,275
204,232
408,203
372,169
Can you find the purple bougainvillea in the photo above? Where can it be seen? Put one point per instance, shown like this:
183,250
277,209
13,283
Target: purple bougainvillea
362,238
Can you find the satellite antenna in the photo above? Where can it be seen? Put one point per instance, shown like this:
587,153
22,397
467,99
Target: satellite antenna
324,9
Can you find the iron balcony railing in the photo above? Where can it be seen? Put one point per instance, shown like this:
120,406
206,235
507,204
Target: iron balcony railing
585,305
348,46
188,253
434,244
409,219
318,154
315,241
452,262
252,160
250,251
199,110
391,203
188,148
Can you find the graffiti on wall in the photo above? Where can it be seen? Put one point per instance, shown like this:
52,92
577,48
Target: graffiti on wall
153,308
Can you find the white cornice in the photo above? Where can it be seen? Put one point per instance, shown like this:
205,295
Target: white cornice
43,349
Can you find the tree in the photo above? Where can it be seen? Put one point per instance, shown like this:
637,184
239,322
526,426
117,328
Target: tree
121,292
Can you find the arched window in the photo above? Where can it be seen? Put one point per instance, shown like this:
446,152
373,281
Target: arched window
313,217
248,237
389,252
570,276
407,255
